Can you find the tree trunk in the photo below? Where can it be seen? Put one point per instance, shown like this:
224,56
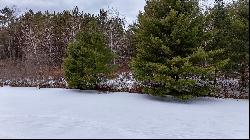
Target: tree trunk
243,77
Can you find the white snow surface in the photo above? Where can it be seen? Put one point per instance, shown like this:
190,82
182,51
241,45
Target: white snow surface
64,113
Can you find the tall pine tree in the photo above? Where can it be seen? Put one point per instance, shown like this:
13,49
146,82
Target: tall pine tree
228,29
239,48
170,59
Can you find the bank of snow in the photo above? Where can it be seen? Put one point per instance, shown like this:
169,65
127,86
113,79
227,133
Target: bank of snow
61,113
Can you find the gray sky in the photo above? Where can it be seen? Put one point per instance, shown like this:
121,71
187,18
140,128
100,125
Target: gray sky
127,8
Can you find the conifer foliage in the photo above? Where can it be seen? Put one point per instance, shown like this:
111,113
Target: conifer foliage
170,58
88,58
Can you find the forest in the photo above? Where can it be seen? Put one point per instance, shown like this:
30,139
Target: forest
174,48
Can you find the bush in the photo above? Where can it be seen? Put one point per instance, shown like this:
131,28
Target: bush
88,59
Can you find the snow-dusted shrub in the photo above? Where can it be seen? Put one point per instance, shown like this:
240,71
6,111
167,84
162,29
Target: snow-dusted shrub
226,88
230,88
44,83
123,82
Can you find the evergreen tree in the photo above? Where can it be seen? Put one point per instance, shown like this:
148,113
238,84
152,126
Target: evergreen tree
88,58
239,48
228,29
218,29
170,59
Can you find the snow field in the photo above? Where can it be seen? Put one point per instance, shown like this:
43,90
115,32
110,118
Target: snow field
63,113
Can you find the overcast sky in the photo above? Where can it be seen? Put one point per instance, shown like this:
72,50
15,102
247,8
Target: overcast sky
127,8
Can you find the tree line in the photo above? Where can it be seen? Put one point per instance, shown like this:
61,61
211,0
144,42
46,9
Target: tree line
175,47
38,41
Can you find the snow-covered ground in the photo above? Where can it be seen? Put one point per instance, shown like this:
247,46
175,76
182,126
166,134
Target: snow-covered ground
61,113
